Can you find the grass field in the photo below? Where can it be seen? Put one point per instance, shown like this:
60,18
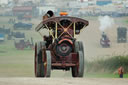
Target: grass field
20,63
15,62
126,21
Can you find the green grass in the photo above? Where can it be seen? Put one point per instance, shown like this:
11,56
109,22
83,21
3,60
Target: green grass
107,68
15,63
126,21
103,75
109,65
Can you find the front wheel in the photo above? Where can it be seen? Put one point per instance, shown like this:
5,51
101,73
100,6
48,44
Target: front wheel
78,70
47,64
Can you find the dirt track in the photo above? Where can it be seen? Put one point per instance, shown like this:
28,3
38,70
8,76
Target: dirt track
62,81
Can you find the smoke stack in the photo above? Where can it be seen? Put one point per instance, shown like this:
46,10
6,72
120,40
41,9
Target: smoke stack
48,14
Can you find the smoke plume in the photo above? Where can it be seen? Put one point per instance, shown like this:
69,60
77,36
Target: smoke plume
105,22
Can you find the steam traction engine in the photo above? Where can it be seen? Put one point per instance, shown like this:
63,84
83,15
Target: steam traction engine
104,41
60,50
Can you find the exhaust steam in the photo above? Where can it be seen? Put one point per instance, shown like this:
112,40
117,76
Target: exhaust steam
105,22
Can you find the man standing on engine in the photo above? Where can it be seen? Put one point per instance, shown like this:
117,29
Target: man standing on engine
104,36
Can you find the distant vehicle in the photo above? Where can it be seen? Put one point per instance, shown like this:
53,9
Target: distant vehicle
18,35
121,34
4,30
21,43
11,21
25,17
1,37
104,41
22,26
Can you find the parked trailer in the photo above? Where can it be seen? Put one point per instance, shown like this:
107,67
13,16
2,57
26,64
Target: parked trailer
121,34
22,26
5,30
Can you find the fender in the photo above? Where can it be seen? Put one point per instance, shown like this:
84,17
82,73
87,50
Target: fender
70,41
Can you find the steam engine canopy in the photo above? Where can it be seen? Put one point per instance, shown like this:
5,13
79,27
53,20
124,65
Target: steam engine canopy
51,23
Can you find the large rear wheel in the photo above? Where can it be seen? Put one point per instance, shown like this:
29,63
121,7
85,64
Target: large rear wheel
38,59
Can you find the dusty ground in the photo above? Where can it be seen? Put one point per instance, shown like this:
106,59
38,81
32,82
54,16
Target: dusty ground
62,81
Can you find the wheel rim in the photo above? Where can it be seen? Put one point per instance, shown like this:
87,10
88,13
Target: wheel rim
47,64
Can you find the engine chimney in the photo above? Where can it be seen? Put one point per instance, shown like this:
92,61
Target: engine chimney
48,15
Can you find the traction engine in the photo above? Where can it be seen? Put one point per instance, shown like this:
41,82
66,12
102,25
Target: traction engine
60,50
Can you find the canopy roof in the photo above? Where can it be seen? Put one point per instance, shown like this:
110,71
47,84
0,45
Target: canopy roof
51,22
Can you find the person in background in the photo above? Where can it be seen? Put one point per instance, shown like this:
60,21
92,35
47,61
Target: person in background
104,36
120,72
